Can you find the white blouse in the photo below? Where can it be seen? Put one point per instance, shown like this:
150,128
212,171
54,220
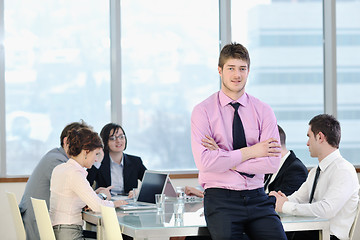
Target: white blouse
70,192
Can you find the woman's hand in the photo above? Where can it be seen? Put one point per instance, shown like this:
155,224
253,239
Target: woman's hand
119,203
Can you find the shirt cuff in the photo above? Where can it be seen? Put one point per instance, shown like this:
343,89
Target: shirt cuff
288,207
236,158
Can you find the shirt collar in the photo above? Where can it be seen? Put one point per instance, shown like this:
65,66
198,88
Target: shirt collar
121,163
225,100
284,158
329,159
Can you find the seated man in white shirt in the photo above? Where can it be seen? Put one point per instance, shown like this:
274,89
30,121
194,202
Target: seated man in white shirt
335,195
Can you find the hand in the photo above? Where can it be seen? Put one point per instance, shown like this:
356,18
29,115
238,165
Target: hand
209,143
193,192
267,148
118,203
106,191
280,200
131,194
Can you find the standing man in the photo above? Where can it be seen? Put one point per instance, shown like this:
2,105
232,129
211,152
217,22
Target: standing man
291,174
235,141
331,189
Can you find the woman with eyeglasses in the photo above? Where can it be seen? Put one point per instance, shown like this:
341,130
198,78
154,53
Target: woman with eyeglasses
119,170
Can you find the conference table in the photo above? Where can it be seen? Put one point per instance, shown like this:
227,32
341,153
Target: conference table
152,224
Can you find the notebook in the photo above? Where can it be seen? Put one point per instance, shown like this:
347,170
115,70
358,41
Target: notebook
152,183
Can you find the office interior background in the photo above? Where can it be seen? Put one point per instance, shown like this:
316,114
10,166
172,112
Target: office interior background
146,64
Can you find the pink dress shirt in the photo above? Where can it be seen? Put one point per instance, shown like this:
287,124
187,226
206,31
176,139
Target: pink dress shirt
70,192
214,117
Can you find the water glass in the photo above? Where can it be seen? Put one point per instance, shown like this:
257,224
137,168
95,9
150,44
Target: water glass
160,201
179,210
135,194
180,191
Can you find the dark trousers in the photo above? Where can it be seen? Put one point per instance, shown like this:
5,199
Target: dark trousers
231,214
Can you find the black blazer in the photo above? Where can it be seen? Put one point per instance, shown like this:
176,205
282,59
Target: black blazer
133,170
290,177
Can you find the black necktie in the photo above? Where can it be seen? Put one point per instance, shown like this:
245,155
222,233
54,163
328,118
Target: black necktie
314,184
267,181
239,140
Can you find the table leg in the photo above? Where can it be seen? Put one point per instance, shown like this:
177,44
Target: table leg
324,234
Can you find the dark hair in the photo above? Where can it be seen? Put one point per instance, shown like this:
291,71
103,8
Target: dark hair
105,134
282,136
329,126
83,139
233,50
70,126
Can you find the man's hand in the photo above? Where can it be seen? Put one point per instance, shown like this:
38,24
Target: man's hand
209,143
280,200
267,148
106,191
191,191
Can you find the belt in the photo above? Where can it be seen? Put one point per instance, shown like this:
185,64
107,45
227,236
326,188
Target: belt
234,193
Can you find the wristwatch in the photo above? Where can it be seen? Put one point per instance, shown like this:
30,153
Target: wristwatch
103,196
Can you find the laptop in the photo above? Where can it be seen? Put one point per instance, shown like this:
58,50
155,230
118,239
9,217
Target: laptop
153,183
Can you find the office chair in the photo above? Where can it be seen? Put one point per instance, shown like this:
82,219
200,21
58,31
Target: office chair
15,212
111,223
43,219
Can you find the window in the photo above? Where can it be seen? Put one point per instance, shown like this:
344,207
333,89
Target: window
286,52
169,64
56,72
348,78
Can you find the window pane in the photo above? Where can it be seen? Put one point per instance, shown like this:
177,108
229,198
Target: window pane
169,64
284,39
348,77
56,71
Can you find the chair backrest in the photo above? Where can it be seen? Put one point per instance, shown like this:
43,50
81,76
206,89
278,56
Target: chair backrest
15,212
43,219
111,223
355,228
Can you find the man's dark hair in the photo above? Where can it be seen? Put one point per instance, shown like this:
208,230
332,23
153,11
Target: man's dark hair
329,126
69,127
282,136
236,51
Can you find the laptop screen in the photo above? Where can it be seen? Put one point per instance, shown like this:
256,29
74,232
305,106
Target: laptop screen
152,183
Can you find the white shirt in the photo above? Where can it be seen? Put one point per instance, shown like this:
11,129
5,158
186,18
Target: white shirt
117,179
274,175
70,192
336,195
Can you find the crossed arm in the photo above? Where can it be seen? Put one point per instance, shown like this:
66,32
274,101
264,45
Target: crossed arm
267,148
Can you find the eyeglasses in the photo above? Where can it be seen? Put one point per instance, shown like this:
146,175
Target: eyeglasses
113,138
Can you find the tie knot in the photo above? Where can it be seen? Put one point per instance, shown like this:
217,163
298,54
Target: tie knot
235,105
